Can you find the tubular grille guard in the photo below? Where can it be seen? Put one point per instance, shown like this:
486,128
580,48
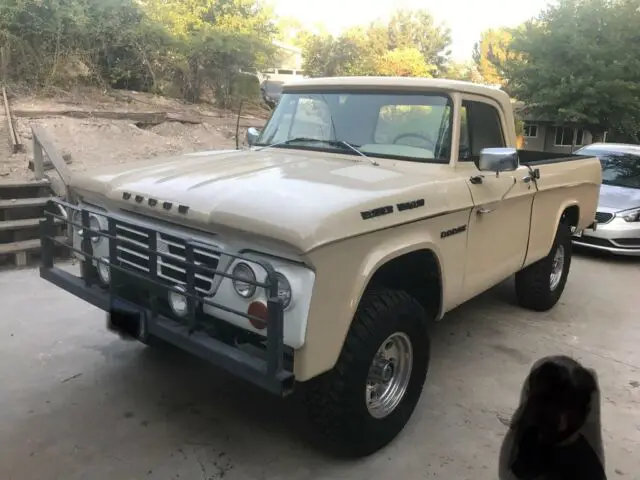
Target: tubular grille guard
159,287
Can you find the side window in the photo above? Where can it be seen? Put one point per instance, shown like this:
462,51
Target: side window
312,119
480,128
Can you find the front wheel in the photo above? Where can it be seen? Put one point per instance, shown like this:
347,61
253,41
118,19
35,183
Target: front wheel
365,401
540,285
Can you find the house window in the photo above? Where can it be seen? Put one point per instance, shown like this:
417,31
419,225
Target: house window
564,136
530,130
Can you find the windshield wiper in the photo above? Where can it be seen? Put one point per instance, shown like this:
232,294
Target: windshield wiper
333,143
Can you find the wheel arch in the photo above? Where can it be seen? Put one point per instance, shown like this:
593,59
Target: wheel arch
417,271
570,214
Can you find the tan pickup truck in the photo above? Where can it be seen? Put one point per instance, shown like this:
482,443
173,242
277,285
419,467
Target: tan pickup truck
316,259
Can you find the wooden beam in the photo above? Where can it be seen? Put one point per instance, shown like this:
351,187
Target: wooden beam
38,160
41,137
137,117
16,146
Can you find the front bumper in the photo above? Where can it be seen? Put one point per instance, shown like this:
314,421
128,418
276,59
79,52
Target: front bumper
195,333
616,236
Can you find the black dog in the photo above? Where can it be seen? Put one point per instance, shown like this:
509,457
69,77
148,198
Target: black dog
555,434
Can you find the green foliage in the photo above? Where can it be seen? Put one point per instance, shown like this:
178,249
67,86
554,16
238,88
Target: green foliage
417,29
465,71
161,45
403,62
491,52
578,62
409,44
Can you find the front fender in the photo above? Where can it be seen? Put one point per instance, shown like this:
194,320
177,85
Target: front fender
345,268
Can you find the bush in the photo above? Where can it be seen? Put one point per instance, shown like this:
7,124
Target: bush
145,45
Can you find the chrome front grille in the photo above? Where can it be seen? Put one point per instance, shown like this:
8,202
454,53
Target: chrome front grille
175,247
133,252
133,247
603,217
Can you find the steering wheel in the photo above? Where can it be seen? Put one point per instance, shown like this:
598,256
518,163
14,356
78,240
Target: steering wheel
431,143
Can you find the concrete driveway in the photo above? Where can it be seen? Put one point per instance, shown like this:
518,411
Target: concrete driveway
78,403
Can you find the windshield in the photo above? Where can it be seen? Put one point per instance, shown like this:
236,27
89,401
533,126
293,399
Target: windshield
618,168
392,125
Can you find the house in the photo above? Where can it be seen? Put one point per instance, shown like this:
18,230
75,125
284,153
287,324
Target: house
544,134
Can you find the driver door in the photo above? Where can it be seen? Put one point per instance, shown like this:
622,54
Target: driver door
499,224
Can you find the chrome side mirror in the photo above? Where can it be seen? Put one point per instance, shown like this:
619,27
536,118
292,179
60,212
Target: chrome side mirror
252,135
498,160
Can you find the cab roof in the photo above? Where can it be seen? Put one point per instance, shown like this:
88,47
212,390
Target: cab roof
388,83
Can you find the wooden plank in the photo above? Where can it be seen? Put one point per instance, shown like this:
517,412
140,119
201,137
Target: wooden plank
57,185
24,246
9,225
141,117
13,138
24,202
23,183
38,159
42,137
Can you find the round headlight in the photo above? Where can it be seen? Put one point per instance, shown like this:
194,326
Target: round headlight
104,270
178,302
94,224
76,218
241,272
284,290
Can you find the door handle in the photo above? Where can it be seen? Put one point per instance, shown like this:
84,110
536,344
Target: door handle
484,210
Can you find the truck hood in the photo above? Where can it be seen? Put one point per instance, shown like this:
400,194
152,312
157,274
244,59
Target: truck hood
619,198
302,198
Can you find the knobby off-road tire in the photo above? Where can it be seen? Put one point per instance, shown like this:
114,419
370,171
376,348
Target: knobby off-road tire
338,401
540,285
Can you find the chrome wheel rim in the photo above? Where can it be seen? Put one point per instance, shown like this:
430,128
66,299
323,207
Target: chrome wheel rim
557,267
389,375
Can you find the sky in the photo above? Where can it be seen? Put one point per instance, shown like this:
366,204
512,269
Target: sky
467,19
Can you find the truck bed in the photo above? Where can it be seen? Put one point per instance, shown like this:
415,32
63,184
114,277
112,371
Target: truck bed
534,157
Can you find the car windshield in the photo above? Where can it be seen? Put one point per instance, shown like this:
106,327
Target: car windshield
402,126
621,169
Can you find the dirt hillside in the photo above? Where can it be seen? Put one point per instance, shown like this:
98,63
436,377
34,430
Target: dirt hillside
97,128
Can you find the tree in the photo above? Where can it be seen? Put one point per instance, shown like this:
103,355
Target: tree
466,71
349,54
403,62
214,40
417,29
491,52
379,48
578,62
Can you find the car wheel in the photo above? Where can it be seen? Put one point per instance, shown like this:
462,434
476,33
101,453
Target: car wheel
540,285
365,401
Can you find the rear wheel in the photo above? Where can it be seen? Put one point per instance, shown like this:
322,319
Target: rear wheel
540,285
365,401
